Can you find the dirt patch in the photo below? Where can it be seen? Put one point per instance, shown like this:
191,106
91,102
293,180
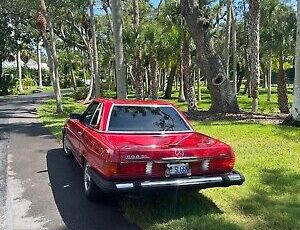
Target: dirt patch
206,116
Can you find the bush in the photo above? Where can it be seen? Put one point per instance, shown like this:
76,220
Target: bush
7,84
80,93
28,82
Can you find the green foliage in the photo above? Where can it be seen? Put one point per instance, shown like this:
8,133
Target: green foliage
7,84
80,93
28,82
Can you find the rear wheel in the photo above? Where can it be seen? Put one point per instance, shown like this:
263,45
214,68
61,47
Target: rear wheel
91,190
66,149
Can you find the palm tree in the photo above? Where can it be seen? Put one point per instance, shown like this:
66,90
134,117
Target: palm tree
254,17
296,99
119,54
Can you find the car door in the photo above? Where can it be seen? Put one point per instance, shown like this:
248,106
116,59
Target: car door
91,121
79,128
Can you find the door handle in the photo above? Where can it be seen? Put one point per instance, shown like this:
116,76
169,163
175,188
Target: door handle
79,133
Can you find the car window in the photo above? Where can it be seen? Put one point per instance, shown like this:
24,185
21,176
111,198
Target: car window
89,112
146,119
96,117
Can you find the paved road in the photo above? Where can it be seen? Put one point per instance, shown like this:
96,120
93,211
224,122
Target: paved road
39,187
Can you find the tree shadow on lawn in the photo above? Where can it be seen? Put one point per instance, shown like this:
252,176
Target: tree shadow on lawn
288,132
176,210
276,202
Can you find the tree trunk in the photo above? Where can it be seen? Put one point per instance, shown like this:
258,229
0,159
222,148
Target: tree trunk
234,52
19,67
295,111
181,96
269,80
73,79
198,73
118,42
154,79
137,67
53,59
254,17
168,91
91,86
1,67
227,43
187,75
95,51
281,88
38,50
146,82
221,91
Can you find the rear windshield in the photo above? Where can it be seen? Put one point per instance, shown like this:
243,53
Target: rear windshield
146,119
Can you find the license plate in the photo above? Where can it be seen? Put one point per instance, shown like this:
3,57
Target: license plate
177,169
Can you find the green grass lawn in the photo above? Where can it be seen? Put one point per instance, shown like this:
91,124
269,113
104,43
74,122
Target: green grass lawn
268,156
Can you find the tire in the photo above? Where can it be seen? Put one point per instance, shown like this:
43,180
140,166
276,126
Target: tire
66,149
92,191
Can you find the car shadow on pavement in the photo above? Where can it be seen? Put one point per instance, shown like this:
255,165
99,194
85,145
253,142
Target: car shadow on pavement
76,211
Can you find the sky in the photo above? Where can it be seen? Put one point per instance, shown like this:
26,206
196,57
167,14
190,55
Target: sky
154,2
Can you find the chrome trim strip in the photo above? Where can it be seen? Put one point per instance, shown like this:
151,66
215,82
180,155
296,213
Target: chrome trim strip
182,182
125,186
152,132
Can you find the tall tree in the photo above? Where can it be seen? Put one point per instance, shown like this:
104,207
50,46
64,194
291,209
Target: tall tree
94,49
118,42
221,91
187,74
39,62
44,22
137,67
295,111
228,30
254,17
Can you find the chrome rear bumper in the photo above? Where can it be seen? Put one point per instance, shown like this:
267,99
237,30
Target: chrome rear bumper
207,181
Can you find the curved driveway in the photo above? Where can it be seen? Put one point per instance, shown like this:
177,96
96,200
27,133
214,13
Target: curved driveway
39,187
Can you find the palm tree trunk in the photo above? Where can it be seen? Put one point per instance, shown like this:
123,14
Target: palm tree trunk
53,59
38,50
234,52
137,66
227,43
269,80
95,51
295,111
19,66
154,77
281,88
118,42
181,96
91,86
254,17
168,91
187,75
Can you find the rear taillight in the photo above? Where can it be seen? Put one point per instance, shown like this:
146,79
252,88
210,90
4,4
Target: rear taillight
225,164
132,169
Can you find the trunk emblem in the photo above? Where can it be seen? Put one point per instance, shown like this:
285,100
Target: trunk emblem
179,153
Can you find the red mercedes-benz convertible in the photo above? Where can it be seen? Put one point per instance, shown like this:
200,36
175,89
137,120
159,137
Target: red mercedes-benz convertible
126,145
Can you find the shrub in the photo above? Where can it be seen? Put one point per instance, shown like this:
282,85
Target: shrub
80,93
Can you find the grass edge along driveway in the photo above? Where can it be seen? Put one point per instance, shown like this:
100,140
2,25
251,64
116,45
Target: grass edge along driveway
268,156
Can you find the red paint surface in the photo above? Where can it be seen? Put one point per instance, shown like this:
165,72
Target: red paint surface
123,156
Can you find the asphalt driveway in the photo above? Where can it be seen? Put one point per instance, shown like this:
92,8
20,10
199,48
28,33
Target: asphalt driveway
39,187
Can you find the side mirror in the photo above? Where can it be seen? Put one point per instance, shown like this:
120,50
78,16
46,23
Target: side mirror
75,116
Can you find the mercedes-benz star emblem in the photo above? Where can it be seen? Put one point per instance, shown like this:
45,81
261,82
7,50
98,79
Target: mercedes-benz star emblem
179,153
